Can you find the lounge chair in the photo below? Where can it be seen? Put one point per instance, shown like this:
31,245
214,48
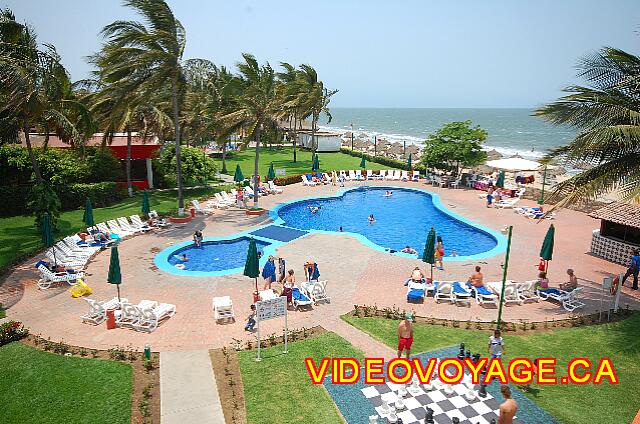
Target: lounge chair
404,176
223,308
507,204
540,215
483,295
416,291
299,299
115,228
136,222
568,300
307,182
49,277
455,183
461,293
318,292
151,318
383,174
395,175
527,291
525,210
81,246
220,200
98,310
359,175
369,174
416,176
200,209
274,188
124,224
352,175
80,255
444,291
60,259
267,294
511,294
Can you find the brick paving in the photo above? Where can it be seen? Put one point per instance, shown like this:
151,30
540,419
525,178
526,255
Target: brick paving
356,275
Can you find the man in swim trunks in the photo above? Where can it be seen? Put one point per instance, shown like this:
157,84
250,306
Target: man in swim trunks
572,284
477,279
508,408
416,276
405,335
410,250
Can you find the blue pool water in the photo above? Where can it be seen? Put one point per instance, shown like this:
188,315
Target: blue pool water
402,219
215,256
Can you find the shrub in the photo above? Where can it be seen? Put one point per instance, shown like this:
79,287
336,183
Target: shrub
289,179
101,194
11,331
43,199
382,160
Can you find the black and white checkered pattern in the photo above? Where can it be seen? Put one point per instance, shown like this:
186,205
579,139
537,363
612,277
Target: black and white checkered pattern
445,407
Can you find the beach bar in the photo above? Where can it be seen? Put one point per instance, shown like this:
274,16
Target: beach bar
619,232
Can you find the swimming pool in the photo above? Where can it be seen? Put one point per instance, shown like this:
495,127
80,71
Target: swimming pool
400,220
214,257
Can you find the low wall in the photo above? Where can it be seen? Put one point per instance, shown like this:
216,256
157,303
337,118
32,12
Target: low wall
612,250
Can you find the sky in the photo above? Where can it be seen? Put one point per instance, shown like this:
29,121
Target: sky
396,54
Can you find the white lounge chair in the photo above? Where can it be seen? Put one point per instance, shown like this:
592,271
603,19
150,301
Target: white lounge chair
80,255
128,315
484,296
352,175
115,228
359,175
98,310
49,277
299,298
444,291
123,223
568,300
461,293
151,318
511,294
200,209
307,182
60,259
395,175
136,222
318,292
83,247
222,308
507,204
267,294
383,174
455,183
416,176
369,174
275,189
221,200
404,176
527,291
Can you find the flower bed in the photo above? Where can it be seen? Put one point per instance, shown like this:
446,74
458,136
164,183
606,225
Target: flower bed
11,331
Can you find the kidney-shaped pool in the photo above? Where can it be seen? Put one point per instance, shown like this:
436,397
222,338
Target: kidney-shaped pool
402,219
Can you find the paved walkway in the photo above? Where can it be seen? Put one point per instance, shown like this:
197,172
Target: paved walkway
188,390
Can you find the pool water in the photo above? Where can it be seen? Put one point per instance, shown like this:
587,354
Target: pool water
215,255
403,219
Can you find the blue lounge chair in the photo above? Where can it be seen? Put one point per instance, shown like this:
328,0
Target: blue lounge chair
461,293
416,291
482,294
298,298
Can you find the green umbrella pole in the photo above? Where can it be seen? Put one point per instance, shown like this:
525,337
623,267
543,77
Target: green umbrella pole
118,287
544,182
504,278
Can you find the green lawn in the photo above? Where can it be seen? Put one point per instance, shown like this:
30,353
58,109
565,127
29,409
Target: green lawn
19,236
40,387
283,158
279,385
604,403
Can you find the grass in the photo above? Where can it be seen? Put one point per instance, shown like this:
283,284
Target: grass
20,238
604,403
283,159
279,385
40,387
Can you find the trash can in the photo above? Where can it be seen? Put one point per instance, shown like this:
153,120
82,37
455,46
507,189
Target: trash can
111,319
193,212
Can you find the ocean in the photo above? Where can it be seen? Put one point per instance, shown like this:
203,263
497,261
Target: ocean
511,131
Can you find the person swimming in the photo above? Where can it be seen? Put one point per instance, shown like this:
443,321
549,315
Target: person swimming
314,209
410,250
371,219
184,258
340,230
388,194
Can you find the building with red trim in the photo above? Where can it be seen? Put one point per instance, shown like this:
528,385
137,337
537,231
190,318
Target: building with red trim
143,149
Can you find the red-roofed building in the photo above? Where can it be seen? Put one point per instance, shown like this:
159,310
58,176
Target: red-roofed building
143,149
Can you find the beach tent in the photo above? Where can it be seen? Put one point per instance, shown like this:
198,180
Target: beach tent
514,164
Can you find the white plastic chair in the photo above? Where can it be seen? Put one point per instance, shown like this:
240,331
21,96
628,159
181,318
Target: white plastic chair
223,308
444,292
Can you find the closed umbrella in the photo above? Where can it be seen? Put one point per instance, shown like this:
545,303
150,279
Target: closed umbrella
546,251
47,235
271,174
238,177
429,250
87,217
363,163
409,162
500,182
252,266
115,275
145,203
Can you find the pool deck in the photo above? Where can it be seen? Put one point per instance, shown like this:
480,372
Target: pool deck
356,275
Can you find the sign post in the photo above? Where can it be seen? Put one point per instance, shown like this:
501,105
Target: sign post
270,309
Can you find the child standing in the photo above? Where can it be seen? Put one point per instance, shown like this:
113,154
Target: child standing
251,319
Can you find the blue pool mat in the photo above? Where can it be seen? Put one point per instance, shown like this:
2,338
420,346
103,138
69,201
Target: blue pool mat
279,233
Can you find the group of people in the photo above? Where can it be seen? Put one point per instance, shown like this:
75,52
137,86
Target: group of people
495,349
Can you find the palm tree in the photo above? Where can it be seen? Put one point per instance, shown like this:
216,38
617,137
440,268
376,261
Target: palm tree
257,107
315,99
290,92
147,56
606,114
36,89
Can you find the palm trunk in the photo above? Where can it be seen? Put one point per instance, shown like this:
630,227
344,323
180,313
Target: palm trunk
128,164
32,156
313,134
45,143
295,137
224,157
176,123
255,168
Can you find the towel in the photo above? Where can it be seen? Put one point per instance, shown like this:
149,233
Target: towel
458,289
269,271
415,294
296,294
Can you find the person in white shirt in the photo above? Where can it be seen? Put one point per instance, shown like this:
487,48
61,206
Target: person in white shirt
496,345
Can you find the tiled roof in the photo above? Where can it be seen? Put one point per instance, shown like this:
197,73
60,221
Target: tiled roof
620,213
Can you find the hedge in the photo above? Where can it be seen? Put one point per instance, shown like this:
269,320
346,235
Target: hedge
290,179
382,160
72,196
11,331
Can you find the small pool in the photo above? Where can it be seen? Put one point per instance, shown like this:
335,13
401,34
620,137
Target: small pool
214,257
403,219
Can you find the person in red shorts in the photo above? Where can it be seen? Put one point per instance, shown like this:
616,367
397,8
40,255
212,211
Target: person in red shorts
405,335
